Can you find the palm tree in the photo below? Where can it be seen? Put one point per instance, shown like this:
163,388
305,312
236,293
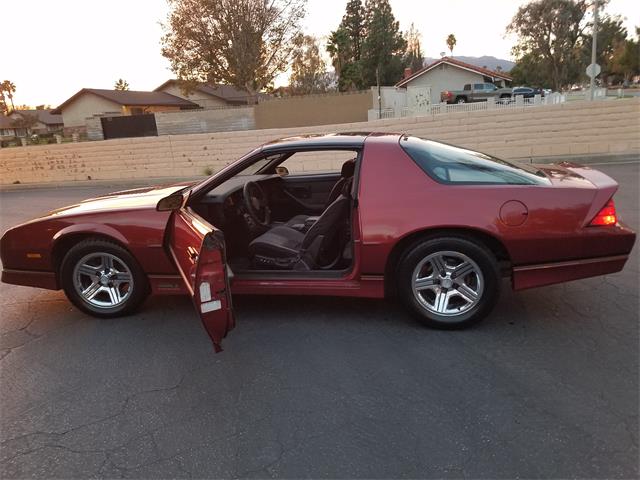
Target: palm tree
3,101
9,88
451,42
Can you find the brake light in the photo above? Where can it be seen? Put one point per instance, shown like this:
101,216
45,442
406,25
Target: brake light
607,216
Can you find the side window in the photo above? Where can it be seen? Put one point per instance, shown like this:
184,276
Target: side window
453,165
320,161
478,86
467,86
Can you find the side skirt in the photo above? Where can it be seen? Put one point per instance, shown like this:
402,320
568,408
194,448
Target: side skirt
530,276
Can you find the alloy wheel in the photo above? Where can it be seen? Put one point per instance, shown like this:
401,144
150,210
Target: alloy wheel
447,283
102,280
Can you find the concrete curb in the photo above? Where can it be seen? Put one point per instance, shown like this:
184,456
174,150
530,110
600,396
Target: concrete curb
117,184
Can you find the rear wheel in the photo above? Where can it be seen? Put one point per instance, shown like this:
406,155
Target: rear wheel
461,100
449,283
103,279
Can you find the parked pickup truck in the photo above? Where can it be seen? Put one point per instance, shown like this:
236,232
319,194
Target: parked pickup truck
477,92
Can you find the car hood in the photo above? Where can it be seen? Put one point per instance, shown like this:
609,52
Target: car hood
138,198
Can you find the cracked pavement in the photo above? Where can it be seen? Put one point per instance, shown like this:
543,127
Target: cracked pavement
546,387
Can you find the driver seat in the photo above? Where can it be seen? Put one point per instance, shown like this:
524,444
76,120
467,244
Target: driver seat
303,222
285,248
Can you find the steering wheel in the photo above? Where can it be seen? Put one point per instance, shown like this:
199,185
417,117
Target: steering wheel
256,204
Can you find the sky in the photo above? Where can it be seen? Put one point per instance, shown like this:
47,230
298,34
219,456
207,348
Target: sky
52,49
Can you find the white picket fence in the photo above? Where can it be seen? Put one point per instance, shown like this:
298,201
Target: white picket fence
491,104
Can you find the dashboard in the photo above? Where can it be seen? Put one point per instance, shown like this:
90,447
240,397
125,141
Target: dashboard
228,191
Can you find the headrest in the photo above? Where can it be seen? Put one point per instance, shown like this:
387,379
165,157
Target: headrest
348,168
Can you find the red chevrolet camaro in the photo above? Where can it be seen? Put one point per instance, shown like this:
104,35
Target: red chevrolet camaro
354,214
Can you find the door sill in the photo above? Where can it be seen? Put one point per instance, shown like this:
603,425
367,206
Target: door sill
290,274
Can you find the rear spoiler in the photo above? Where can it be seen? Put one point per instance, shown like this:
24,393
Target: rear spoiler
606,186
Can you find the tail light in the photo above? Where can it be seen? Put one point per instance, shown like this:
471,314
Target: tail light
607,216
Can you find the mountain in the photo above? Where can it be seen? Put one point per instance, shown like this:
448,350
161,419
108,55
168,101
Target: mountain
492,63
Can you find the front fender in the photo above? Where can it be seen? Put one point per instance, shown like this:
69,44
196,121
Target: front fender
89,228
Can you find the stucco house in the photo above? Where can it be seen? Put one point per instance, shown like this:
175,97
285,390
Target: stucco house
7,130
209,95
46,122
451,74
89,102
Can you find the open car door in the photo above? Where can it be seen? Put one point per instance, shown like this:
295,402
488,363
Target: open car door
198,250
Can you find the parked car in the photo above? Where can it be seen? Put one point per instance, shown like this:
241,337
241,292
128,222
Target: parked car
528,92
432,224
477,92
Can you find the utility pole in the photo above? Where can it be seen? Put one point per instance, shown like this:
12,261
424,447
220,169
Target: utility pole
594,43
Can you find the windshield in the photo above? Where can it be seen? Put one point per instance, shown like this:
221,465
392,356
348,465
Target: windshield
454,165
255,167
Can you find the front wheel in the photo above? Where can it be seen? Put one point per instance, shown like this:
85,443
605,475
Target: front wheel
449,283
103,279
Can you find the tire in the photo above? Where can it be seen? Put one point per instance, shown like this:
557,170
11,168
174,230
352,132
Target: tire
461,100
460,298
114,282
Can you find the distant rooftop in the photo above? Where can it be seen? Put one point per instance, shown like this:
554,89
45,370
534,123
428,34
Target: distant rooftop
132,98
229,93
44,116
456,63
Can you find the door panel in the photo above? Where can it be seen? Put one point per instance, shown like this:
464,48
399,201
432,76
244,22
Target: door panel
198,250
311,191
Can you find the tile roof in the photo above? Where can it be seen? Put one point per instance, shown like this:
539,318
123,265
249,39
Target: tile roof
5,122
44,116
229,93
132,98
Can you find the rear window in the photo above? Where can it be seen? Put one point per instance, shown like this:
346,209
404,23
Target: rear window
454,165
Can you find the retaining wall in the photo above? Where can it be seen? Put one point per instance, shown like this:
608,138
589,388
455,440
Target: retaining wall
204,121
608,126
313,110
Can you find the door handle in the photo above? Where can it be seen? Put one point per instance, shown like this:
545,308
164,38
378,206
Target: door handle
193,254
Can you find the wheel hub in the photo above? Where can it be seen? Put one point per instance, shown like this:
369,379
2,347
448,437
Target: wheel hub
446,282
104,280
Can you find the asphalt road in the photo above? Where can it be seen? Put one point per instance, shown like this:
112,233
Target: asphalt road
546,387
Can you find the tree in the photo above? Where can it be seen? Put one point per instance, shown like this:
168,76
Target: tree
451,42
413,56
549,35
353,25
626,58
529,71
8,88
383,47
121,85
345,47
25,120
245,43
308,69
611,34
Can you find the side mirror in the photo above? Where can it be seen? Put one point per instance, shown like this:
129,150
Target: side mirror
282,171
172,202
